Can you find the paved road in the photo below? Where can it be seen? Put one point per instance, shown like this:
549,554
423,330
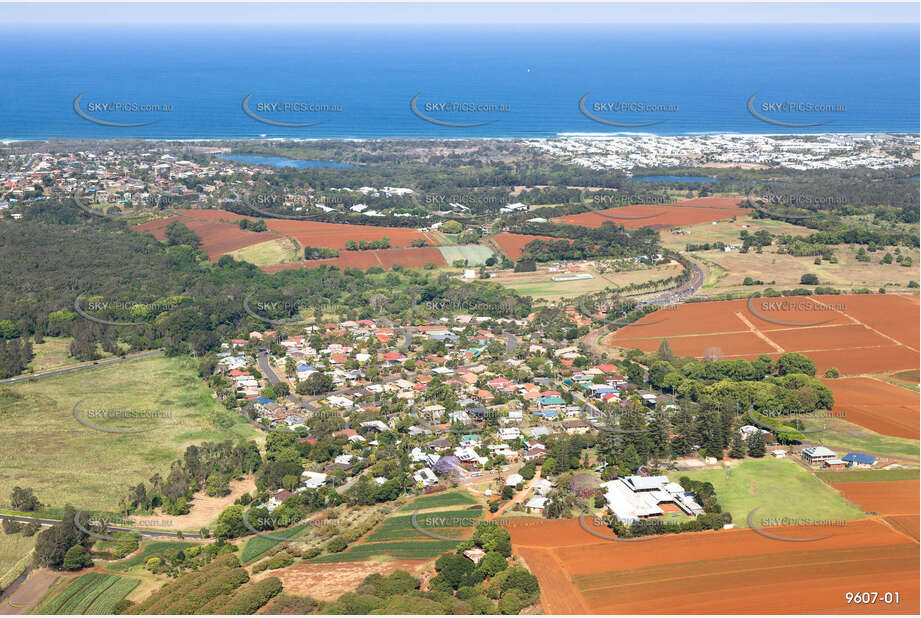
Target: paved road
151,533
45,374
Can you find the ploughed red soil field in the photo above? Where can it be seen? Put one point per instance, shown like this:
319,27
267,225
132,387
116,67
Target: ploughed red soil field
720,572
885,408
416,257
217,238
883,497
857,334
218,230
512,244
687,212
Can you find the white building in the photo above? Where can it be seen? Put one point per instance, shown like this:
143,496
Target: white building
637,497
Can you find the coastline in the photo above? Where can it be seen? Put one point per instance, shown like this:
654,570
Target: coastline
554,137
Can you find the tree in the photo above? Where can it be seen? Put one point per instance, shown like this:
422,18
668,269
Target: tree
756,445
629,460
52,544
23,499
178,234
809,279
508,492
77,557
737,447
230,523
315,384
832,372
452,227
492,563
794,362
665,351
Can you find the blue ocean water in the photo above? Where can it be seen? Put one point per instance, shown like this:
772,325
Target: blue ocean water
530,78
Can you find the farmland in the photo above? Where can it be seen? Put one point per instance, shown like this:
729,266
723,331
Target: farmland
883,497
858,334
148,550
512,244
397,538
39,417
258,545
778,488
90,593
686,212
217,238
687,573
879,406
220,234
473,255
839,434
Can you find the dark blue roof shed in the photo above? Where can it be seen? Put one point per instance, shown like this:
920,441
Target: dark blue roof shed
859,458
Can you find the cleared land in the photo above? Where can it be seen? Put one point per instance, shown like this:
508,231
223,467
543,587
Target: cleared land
513,244
686,212
883,497
65,461
858,334
476,255
877,405
841,435
722,572
778,488
217,238
270,252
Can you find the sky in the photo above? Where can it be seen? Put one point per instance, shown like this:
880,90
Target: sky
232,13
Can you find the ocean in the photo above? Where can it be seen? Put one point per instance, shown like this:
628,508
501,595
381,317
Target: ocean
465,81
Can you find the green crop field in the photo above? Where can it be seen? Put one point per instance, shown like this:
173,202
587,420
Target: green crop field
54,604
448,498
777,487
107,600
258,545
65,461
91,593
461,522
476,255
414,550
863,476
150,549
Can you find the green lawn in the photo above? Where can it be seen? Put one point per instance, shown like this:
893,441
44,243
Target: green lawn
13,550
840,435
270,252
65,461
858,475
476,255
777,487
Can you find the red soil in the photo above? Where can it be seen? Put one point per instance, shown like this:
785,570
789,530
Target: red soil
724,572
687,212
386,258
512,244
217,238
334,235
879,406
883,497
